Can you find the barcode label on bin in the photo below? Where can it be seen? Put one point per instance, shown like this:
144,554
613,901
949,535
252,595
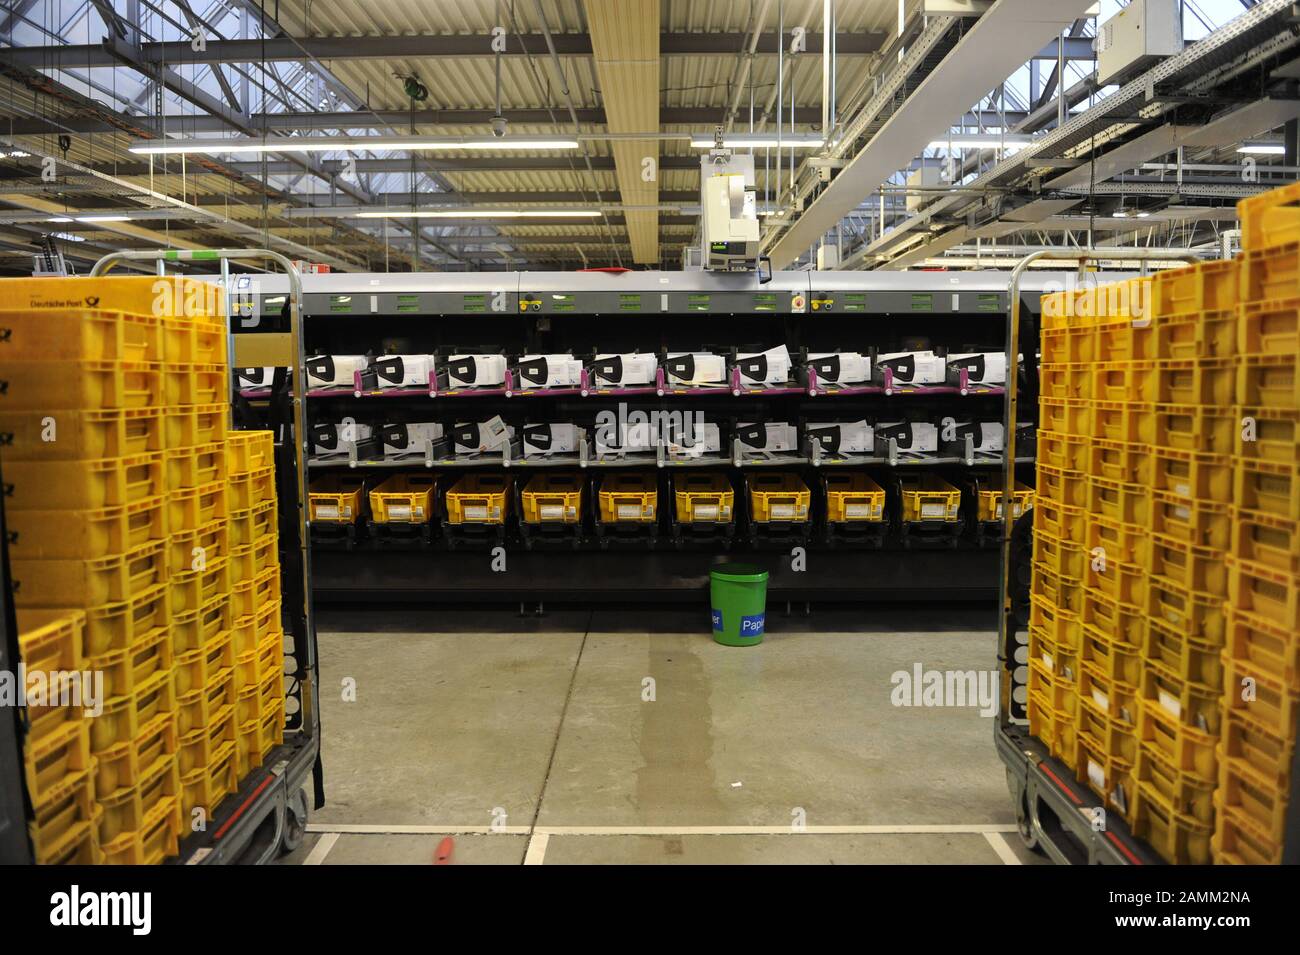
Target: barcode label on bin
476,512
1102,701
1097,775
1171,703
1048,662
629,511
400,512
861,510
552,512
327,512
782,511
934,510
706,512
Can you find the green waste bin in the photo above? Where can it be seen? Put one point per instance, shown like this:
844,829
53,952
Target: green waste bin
738,593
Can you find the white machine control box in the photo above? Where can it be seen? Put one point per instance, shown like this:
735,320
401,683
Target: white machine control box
1140,33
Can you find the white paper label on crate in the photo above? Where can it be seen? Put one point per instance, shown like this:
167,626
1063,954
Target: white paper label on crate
933,510
706,512
327,512
1171,703
1049,662
1097,775
552,512
1182,513
475,512
1184,489
782,512
629,512
1101,700
401,512
858,510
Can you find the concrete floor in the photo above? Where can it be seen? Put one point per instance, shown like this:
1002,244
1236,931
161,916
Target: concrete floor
533,739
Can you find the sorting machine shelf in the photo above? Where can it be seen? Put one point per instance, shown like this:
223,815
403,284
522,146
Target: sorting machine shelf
519,313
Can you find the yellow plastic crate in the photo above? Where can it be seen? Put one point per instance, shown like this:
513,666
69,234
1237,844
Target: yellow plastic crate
194,629
1119,461
193,589
1191,703
248,595
1184,656
195,669
1276,434
704,498
927,497
126,810
195,384
1121,582
1178,839
192,550
82,485
478,499
64,832
125,764
552,498
156,841
250,560
1115,541
1196,568
126,669
1111,655
249,490
1111,737
194,467
1065,382
78,435
1114,500
79,335
1126,421
198,709
628,497
1059,625
1268,381
1194,613
1124,341
139,295
89,582
48,386
1194,289
404,499
252,524
1268,486
1270,274
1265,593
51,641
1267,540
118,625
1065,416
1188,795
194,425
267,621
1064,593
1188,474
1267,756
334,499
853,497
1209,430
1065,452
1063,558
1061,521
204,788
86,534
125,717
1265,647
1238,841
1271,218
1117,622
193,343
55,757
1269,328
778,496
1108,776
1118,701
197,750
248,451
1183,747
1210,335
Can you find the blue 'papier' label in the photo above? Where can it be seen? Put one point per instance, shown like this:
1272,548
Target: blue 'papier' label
752,626
717,621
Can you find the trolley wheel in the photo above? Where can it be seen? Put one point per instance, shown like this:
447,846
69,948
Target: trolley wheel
1024,824
295,822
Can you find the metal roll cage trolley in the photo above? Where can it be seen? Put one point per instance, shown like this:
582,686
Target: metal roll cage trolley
1054,814
267,814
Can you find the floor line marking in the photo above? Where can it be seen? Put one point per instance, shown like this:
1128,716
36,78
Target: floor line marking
321,849
786,830
1002,847
359,829
537,848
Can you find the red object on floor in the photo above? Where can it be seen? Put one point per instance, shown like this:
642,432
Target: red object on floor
442,855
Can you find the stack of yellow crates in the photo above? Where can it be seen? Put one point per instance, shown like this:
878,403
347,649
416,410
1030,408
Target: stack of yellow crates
119,499
1261,655
1165,620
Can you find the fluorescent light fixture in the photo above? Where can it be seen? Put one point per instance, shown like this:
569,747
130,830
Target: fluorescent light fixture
309,144
479,214
1262,149
793,141
1119,214
1142,214
89,219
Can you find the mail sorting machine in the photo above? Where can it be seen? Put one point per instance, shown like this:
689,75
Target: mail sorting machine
642,422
